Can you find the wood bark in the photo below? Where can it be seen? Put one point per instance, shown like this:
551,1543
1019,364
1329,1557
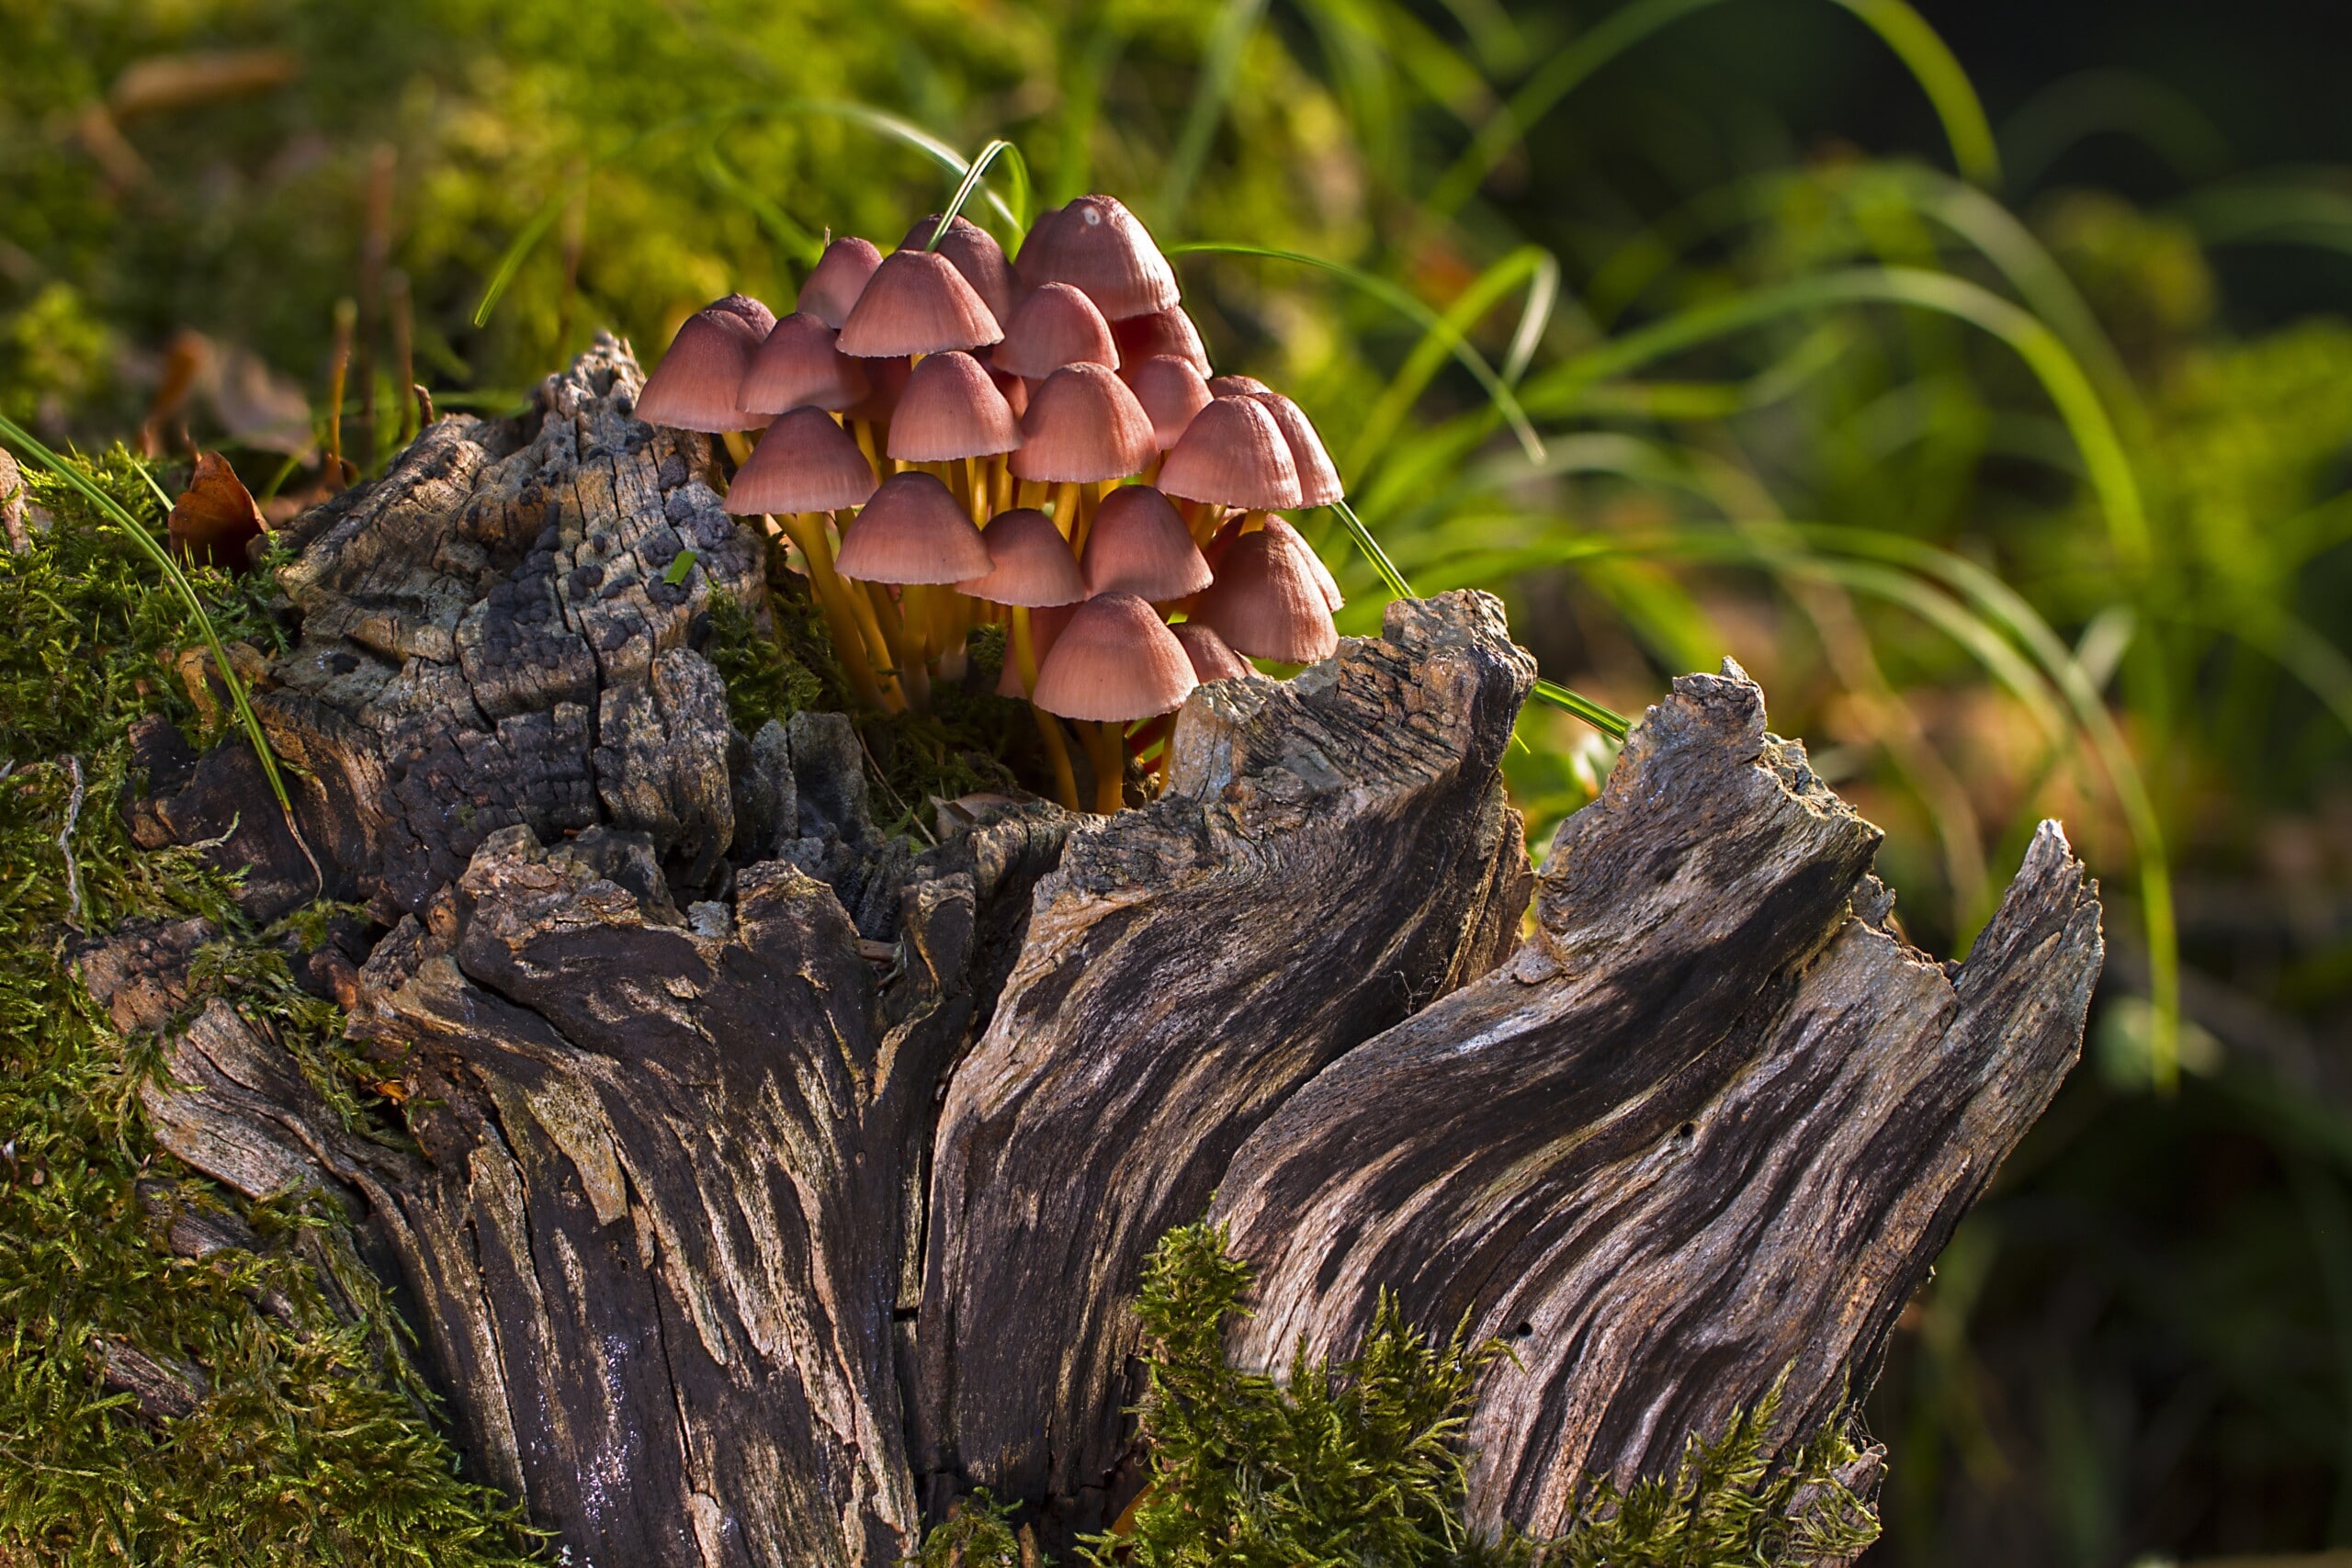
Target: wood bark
767,1183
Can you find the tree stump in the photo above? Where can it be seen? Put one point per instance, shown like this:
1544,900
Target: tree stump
772,1184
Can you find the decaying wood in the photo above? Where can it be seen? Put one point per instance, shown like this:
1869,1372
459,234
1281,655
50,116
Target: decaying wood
769,1183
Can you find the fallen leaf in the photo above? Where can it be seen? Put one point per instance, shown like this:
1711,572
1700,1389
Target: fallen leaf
215,519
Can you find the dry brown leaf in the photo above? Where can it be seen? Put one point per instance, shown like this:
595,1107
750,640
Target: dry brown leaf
215,519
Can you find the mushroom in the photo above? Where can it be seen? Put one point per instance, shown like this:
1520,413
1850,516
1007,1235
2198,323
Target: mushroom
1319,478
913,534
798,367
698,384
1162,331
1236,387
1055,326
1232,453
1098,245
952,415
1030,569
1266,603
1083,428
1139,545
1115,662
804,467
833,284
916,302
1213,658
972,251
1324,582
1171,391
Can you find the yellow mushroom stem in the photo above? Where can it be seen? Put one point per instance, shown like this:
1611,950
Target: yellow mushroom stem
807,530
1106,748
1049,729
862,431
1030,493
1203,518
1065,510
1089,501
905,649
1002,496
1151,470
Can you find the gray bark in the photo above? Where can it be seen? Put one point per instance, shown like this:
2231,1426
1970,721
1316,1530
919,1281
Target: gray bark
771,1184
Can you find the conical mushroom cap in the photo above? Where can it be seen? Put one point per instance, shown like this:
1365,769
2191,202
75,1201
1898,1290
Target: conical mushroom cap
797,366
1233,453
1139,545
1083,425
1031,563
1114,662
1055,326
1044,629
951,408
1318,479
972,251
1236,387
912,531
916,302
1325,583
1162,331
1098,245
758,317
804,463
699,383
1213,658
1265,602
832,285
1171,391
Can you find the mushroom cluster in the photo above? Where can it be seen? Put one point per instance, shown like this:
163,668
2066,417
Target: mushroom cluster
947,437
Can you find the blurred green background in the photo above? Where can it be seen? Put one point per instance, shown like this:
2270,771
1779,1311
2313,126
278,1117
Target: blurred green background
1977,378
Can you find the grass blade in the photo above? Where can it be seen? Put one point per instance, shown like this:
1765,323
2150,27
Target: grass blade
1220,67
1532,263
145,542
1506,402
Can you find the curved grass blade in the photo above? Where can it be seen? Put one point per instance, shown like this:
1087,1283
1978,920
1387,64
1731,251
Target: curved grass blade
1902,30
2272,210
1532,263
972,177
2124,101
140,538
1505,400
2062,375
1609,722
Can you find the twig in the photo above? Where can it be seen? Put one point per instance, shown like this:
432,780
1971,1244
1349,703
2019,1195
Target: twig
65,841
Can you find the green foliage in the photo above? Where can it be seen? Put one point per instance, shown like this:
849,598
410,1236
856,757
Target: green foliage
1358,1462
312,1442
977,1534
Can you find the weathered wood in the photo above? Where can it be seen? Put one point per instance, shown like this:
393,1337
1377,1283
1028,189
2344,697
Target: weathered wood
772,1183
1331,853
1708,1128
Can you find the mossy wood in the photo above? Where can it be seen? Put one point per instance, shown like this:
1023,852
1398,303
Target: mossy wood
773,1184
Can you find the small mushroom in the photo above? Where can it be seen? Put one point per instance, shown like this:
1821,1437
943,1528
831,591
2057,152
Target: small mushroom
1096,244
1083,425
972,251
1139,545
699,383
1319,478
951,410
1232,453
798,367
1115,662
804,463
1266,603
1236,387
1213,658
1031,569
1162,331
916,302
1171,391
832,285
914,535
1328,584
1055,326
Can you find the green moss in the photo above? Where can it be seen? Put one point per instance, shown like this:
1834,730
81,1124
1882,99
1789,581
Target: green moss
314,1440
1358,1462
